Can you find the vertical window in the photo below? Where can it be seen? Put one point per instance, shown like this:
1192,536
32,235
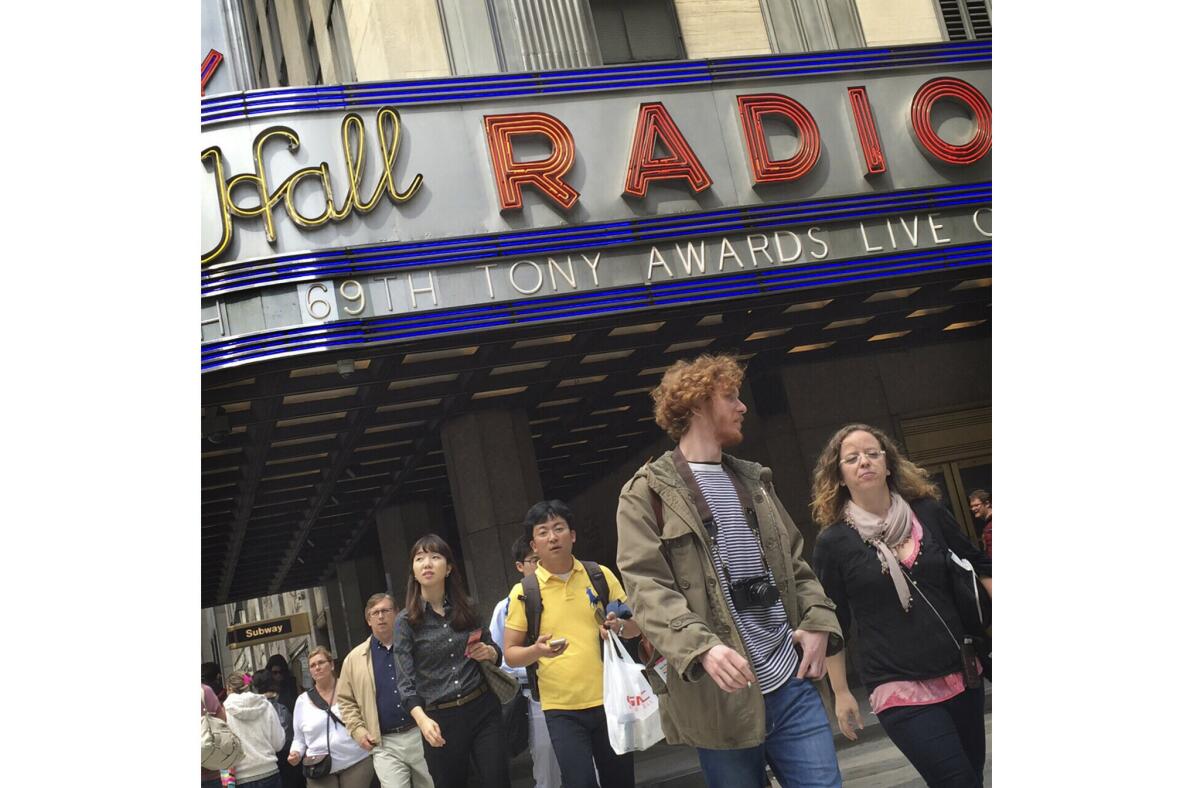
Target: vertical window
313,56
634,31
813,25
339,42
303,31
966,20
258,57
281,70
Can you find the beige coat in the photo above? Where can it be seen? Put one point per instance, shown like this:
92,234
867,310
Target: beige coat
356,693
674,593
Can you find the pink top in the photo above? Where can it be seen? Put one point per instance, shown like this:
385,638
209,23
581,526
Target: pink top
926,691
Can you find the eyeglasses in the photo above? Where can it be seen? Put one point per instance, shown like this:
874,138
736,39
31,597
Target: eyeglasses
530,560
316,663
558,530
871,454
380,612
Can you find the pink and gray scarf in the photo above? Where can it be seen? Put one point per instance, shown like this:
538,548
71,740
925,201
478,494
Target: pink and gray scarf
885,535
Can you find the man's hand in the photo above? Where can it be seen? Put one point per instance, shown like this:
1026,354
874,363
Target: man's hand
293,758
727,668
624,627
846,709
813,645
366,742
542,647
432,732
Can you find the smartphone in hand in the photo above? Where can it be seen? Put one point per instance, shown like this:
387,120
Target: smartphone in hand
473,638
558,645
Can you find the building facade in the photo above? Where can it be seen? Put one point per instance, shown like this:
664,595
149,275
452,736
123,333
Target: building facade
448,246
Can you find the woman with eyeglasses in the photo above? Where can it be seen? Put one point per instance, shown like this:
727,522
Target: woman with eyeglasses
882,558
321,734
440,642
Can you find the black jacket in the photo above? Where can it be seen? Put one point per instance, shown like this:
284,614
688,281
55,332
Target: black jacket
888,643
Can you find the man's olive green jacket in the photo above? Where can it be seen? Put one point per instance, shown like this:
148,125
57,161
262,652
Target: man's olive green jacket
674,591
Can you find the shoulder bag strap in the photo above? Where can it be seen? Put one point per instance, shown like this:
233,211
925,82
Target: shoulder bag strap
531,596
599,581
921,593
320,703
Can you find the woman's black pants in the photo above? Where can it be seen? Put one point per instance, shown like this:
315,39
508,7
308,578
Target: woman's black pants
474,734
946,741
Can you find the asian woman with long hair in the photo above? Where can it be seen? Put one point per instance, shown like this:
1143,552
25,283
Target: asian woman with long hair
440,642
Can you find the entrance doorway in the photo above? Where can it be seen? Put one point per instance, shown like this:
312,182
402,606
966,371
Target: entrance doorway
956,449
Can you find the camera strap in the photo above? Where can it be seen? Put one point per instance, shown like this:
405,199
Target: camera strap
706,516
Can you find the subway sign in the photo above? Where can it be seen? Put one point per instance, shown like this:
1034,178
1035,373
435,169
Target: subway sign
271,629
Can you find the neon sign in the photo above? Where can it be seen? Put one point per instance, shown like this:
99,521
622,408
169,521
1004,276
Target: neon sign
659,155
387,123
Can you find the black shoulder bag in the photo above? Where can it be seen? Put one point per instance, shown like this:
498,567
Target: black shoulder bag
967,648
321,765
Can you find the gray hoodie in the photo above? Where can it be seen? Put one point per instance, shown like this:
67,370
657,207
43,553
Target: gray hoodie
254,719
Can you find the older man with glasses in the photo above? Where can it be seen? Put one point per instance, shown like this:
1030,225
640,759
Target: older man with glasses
369,697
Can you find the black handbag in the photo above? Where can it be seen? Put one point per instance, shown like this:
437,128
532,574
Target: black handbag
320,765
974,606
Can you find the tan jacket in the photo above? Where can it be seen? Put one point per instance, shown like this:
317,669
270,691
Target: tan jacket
356,693
676,600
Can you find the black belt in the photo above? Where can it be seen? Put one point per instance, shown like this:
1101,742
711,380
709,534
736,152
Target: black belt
465,699
401,729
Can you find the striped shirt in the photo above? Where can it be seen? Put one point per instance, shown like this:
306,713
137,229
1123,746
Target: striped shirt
764,630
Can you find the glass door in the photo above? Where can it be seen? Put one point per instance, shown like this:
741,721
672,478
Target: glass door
956,449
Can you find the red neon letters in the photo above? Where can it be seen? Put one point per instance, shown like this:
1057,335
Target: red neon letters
654,124
545,174
765,170
868,132
655,127
922,106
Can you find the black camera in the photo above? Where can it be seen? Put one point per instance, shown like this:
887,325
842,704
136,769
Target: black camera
753,592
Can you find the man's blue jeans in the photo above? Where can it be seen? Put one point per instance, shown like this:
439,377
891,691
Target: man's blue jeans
799,745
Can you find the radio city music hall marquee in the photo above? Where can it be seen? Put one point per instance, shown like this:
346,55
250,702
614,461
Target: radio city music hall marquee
470,170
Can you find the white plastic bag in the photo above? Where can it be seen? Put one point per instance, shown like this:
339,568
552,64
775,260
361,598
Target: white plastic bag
630,706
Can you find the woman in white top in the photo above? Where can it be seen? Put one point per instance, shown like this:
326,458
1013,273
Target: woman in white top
317,733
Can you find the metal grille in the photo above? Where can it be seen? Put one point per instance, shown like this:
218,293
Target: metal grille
553,33
966,20
981,22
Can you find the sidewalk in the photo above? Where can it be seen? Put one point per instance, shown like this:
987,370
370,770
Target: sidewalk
677,766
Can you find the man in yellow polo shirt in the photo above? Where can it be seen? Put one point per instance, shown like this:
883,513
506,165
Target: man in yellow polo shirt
569,674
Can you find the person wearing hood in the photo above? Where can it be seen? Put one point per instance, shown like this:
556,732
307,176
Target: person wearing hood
266,683
288,690
254,720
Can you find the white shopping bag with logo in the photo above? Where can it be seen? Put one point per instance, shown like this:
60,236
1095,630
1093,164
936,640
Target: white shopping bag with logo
629,704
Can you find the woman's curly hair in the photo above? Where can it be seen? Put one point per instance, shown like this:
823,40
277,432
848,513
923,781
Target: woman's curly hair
686,385
829,495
